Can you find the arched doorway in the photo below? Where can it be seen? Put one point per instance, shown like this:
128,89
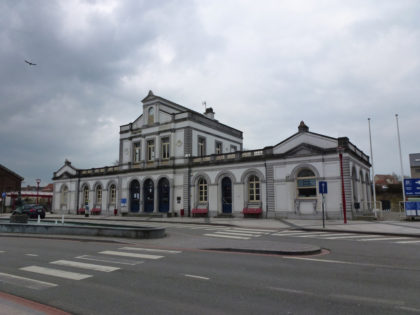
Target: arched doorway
135,196
163,189
226,195
149,195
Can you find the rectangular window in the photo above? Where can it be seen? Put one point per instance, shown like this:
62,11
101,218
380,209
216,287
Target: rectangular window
233,148
165,148
150,150
219,148
136,152
201,146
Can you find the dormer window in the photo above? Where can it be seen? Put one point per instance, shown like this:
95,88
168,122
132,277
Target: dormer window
151,116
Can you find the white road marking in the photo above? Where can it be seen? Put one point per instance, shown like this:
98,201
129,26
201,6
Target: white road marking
25,282
56,273
298,233
366,299
109,260
290,290
235,233
408,242
337,234
2,251
77,264
134,255
255,230
33,255
384,239
410,309
321,260
247,232
197,277
152,250
228,236
346,237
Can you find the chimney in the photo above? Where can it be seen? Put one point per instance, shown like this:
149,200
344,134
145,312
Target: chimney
209,113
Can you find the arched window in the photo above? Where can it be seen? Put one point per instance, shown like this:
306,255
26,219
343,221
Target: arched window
85,195
253,188
64,195
151,116
99,194
112,194
202,190
306,183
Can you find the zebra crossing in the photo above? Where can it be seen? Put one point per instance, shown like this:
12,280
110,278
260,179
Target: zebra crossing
78,269
348,236
239,233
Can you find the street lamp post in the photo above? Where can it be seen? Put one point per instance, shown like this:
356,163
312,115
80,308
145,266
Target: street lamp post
37,189
343,195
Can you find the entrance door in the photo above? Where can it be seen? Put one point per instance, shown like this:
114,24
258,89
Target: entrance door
163,189
134,196
226,195
149,196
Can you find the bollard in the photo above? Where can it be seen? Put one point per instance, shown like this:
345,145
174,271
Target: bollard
115,212
39,219
62,219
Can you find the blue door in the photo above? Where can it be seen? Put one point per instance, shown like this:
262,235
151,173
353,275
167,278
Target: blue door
134,196
163,190
149,196
226,195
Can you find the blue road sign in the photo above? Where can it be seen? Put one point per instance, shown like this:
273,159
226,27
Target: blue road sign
323,187
123,202
3,195
412,187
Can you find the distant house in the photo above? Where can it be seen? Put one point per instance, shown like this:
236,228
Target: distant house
9,180
385,180
415,165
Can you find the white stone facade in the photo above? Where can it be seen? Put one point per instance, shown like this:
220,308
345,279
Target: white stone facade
175,160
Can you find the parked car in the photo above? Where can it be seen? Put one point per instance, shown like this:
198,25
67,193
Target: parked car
33,210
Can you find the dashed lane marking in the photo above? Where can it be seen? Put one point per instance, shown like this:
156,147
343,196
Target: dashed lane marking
408,242
25,282
56,273
32,255
76,264
236,233
134,255
228,236
197,277
152,250
384,239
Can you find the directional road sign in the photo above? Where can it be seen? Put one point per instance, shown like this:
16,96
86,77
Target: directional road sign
412,186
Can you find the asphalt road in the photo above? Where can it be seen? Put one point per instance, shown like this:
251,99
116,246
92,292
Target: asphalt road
177,275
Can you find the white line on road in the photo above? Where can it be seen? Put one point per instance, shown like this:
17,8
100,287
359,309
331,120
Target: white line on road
77,264
255,230
32,255
384,239
235,233
25,282
56,273
247,232
109,260
228,236
298,233
197,277
152,250
408,242
2,251
328,235
134,255
346,237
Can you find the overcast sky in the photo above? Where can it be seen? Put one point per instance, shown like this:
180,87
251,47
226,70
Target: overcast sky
262,65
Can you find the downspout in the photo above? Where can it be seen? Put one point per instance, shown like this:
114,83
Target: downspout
266,190
77,193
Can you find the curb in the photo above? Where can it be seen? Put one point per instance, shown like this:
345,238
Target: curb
313,251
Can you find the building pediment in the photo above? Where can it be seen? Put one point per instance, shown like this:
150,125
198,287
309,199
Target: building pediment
309,138
304,149
66,171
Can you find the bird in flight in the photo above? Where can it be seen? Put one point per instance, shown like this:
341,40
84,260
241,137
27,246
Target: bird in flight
30,63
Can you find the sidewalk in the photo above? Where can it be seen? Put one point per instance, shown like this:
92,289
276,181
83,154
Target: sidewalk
404,228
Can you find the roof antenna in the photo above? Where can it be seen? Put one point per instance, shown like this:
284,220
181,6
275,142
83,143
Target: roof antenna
205,105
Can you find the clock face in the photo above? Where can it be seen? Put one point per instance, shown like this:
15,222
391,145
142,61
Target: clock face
179,143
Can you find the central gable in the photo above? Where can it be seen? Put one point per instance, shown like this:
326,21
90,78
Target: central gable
305,141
